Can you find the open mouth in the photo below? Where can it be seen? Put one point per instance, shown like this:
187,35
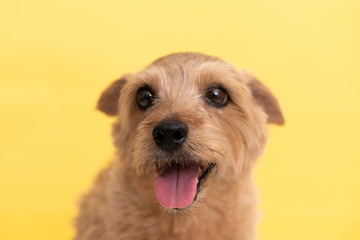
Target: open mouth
178,185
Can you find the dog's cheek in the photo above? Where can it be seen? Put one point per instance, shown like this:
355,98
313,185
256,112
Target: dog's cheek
236,125
251,136
215,145
143,150
130,123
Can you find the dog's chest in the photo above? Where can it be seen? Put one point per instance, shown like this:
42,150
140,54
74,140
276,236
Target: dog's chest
175,227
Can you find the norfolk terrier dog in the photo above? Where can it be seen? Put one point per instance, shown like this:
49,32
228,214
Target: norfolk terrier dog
188,130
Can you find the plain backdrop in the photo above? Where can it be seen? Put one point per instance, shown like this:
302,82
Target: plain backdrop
57,56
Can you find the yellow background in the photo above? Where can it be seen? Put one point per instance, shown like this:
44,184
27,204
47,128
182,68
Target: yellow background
57,56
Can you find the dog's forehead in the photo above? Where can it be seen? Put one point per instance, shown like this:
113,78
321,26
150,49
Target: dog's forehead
188,74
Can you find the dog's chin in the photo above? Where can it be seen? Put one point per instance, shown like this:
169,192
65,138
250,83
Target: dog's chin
179,183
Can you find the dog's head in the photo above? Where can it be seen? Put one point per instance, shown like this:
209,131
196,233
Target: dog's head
187,118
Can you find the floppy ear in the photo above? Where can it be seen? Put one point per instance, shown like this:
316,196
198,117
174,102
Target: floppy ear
109,99
267,101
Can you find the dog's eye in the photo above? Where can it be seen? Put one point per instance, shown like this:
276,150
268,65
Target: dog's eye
145,98
217,96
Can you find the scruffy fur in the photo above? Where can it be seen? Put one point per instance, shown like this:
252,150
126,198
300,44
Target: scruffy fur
122,204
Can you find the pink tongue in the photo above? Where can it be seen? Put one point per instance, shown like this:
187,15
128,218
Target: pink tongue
176,187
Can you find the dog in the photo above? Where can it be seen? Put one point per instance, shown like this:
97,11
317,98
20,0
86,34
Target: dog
188,130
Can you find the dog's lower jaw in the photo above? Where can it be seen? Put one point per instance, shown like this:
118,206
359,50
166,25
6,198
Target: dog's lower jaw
218,213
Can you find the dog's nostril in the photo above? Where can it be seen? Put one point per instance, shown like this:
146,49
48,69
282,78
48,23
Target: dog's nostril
178,136
158,135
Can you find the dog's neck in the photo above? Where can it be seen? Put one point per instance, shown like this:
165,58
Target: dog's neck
214,212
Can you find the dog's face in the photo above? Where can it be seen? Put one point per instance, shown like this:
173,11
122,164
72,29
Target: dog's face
187,120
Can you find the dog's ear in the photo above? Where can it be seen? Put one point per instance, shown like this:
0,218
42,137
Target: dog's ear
109,99
267,101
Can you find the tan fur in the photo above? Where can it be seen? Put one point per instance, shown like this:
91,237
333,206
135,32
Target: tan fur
122,203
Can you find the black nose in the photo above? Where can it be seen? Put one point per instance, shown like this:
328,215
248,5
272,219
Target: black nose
169,135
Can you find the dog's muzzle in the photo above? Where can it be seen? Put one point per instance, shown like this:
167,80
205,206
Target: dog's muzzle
179,178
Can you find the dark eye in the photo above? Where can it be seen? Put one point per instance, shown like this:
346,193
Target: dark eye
145,97
217,96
